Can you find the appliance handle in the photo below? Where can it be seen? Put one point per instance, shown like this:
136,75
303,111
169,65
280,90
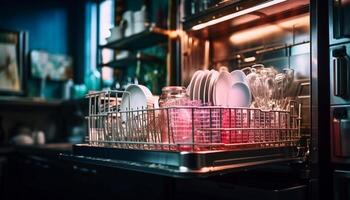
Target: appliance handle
337,19
336,137
340,76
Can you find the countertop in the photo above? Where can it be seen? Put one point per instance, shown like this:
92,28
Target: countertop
47,150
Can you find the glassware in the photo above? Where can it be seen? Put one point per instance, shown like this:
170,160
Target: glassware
268,87
173,96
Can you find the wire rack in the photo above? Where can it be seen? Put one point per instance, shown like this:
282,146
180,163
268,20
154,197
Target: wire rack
188,128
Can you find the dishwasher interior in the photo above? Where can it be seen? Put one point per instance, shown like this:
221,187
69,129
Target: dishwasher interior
220,140
277,36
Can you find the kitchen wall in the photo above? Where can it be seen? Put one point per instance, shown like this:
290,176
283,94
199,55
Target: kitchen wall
56,26
47,23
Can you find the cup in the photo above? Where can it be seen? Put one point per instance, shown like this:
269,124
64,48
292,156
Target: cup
116,33
39,137
140,15
139,19
127,23
139,27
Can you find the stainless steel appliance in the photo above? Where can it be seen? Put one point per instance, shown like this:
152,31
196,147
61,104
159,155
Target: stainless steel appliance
289,34
191,141
340,96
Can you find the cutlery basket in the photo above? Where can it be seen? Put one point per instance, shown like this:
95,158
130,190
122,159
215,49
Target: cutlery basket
188,128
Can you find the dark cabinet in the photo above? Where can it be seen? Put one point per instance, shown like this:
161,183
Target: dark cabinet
36,177
3,168
33,177
339,20
341,185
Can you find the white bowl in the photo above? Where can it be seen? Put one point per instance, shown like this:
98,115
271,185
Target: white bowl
239,95
238,75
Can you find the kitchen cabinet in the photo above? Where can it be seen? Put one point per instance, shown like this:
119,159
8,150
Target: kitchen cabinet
4,152
34,174
339,21
341,185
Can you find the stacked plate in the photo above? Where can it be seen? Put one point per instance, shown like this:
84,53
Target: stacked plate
220,88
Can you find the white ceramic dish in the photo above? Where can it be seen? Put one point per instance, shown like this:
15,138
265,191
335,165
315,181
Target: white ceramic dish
197,85
202,85
238,76
209,84
222,89
206,87
139,97
239,95
190,87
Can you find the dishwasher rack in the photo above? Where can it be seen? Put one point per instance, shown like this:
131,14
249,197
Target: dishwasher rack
188,128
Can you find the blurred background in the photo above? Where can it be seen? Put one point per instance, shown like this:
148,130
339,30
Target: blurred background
58,51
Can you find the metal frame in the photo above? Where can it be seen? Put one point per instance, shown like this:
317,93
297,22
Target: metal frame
321,174
182,164
188,128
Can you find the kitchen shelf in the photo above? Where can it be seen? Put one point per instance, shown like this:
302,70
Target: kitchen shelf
147,38
121,63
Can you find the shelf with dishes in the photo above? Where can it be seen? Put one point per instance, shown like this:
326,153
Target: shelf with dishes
149,37
132,59
135,50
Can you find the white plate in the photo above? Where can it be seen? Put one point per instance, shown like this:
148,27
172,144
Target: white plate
239,95
238,75
212,86
197,84
138,95
208,88
202,85
222,89
190,87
